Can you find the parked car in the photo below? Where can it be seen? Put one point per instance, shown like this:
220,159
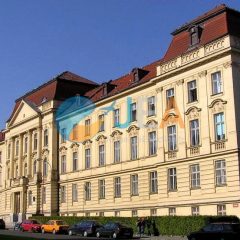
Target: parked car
85,228
217,231
2,224
30,225
114,230
55,226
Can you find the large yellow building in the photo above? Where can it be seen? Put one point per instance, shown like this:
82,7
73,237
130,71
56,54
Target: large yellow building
161,140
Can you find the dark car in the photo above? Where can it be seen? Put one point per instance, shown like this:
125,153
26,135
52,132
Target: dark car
85,228
114,230
2,224
217,231
30,225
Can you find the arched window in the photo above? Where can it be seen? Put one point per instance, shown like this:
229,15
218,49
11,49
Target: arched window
45,137
30,198
35,167
45,167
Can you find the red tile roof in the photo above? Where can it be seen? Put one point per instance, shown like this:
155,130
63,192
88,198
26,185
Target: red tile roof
71,84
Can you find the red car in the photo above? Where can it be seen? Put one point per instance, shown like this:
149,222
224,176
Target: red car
31,225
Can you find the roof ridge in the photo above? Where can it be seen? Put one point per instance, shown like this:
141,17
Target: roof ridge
210,13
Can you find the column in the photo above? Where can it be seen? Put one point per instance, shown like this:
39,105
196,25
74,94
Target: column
39,149
29,157
11,142
20,153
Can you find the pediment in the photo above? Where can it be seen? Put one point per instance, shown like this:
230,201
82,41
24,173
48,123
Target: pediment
25,111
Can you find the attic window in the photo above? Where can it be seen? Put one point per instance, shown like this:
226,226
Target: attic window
44,99
195,34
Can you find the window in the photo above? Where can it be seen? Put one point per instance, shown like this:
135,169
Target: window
219,126
101,214
45,141
30,198
75,131
153,182
87,158
63,194
116,151
220,172
133,147
63,135
74,192
153,212
117,213
101,122
44,197
87,127
17,148
151,106
101,155
195,175
45,168
8,173
134,213
133,112
172,138
192,91
116,117
216,83
194,38
25,145
0,157
172,211
87,214
87,191
221,210
194,133
101,189
170,98
195,211
172,179
35,167
63,164
117,187
152,143
75,161
134,184
35,141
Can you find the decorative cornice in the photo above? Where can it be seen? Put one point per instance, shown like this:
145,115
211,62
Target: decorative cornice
132,127
116,132
193,108
101,137
216,101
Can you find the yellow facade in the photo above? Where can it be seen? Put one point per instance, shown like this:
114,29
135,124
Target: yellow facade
179,175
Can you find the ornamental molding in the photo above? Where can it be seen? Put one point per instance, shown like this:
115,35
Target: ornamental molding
101,138
116,133
74,145
227,64
217,105
133,128
180,82
202,73
193,113
159,90
151,125
63,148
45,152
170,119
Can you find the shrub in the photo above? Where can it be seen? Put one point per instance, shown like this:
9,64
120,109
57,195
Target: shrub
166,225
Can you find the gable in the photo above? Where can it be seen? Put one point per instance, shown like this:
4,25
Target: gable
23,113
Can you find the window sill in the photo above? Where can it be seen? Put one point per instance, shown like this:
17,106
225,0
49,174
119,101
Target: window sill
153,193
117,197
172,190
192,102
152,155
216,94
134,195
152,115
221,185
195,188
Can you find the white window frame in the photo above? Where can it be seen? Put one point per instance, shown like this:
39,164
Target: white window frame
172,138
87,158
101,155
151,106
102,189
219,126
220,172
75,161
153,182
134,147
116,117
117,187
152,142
74,192
134,184
194,133
172,179
117,151
216,82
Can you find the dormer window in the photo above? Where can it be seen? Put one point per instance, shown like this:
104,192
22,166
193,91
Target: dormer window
195,34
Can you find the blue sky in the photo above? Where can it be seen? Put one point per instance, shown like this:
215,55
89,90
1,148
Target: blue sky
97,39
